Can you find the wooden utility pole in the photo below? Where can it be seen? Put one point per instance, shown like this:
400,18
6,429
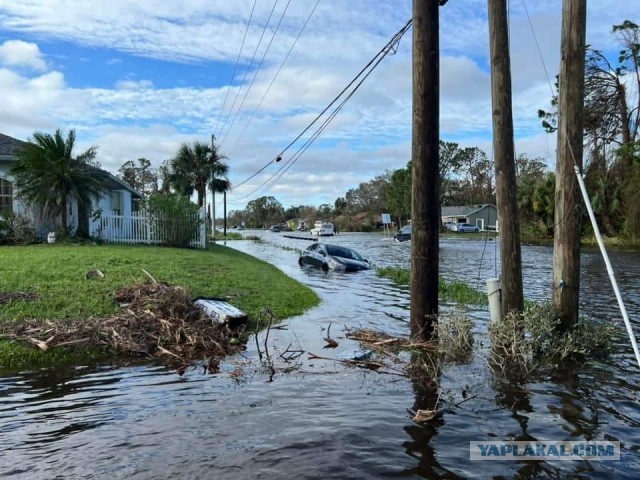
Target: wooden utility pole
425,191
568,214
504,159
225,212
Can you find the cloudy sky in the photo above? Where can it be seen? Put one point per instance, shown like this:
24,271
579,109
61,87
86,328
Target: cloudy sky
137,78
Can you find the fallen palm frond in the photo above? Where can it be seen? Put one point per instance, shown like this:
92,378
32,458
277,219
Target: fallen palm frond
156,320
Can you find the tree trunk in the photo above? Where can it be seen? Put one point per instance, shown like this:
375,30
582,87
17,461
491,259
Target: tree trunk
83,221
425,191
201,195
568,215
65,216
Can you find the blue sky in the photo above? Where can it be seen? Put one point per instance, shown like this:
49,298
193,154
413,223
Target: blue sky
139,78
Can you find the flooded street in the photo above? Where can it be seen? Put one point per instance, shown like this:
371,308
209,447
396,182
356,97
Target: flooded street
323,419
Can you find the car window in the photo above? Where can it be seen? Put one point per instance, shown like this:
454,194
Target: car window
343,252
406,229
312,248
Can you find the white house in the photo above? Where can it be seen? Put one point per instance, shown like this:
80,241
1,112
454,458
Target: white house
119,197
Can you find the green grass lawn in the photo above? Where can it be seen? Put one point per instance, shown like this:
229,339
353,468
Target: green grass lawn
56,273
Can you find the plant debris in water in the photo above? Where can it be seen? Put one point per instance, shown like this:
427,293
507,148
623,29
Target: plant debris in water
532,343
157,320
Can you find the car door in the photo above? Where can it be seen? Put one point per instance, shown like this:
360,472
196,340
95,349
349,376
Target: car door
311,255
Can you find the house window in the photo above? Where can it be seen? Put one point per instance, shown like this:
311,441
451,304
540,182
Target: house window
6,197
116,202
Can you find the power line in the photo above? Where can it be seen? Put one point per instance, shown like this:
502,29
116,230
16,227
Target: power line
275,76
255,74
249,67
384,51
235,66
388,48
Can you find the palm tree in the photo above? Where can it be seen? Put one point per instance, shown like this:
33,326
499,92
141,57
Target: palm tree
48,175
219,183
193,168
196,167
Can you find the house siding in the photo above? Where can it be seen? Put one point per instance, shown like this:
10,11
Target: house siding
485,216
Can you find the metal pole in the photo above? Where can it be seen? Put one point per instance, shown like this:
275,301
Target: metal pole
605,256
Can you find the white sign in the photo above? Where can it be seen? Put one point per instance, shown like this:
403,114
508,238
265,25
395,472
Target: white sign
386,219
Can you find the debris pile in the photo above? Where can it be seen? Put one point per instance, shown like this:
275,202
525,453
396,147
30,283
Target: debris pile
157,320
381,341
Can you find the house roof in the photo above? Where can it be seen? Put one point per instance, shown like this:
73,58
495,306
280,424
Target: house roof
464,210
114,183
9,146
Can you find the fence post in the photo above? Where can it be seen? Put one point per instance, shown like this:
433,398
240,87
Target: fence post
203,228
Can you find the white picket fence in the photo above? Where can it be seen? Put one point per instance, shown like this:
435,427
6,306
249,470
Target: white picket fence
144,228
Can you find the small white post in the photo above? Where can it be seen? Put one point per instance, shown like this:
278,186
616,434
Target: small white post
494,293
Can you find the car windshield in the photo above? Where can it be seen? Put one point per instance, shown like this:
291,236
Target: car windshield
406,229
343,252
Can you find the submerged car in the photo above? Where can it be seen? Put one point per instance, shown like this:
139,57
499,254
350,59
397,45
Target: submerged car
403,235
333,257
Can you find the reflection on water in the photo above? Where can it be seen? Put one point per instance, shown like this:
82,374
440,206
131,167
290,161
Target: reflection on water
325,420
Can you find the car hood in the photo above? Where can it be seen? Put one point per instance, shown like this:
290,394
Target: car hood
350,264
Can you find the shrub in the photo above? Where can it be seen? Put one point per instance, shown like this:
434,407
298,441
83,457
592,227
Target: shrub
175,218
532,343
17,230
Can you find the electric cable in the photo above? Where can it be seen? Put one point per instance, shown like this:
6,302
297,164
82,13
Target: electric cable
235,66
274,77
289,163
244,77
375,61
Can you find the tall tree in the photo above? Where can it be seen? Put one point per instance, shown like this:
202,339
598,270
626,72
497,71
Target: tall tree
140,175
264,210
48,175
196,167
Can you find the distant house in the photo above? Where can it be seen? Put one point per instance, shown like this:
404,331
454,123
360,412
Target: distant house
484,216
119,196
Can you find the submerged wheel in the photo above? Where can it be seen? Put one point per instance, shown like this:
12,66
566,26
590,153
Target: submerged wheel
325,267
300,262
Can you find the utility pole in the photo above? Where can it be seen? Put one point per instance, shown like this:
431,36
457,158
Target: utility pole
425,190
225,212
213,195
568,214
504,159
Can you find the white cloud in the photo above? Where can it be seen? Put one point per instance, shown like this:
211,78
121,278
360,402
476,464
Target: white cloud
17,53
136,118
134,85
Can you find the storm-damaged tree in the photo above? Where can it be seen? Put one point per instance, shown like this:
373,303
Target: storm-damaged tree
140,175
611,125
48,175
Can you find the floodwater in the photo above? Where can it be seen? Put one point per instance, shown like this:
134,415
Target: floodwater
322,419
